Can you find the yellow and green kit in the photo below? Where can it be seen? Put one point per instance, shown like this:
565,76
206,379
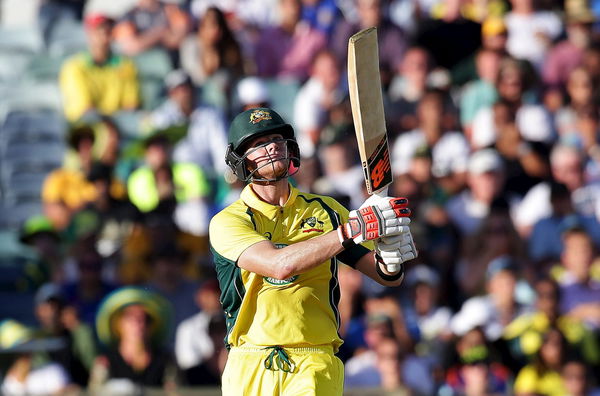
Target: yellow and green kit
282,324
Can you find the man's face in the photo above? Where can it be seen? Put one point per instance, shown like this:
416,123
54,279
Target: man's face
267,156
567,169
99,38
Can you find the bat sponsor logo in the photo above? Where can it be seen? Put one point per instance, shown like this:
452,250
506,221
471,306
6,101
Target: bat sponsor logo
378,171
259,115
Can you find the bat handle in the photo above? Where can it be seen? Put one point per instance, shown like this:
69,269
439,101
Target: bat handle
382,194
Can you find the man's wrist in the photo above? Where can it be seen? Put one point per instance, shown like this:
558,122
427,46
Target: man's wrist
346,241
383,275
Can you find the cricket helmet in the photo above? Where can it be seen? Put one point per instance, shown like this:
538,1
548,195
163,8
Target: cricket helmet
252,124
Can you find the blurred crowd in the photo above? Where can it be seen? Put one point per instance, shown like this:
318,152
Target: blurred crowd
492,109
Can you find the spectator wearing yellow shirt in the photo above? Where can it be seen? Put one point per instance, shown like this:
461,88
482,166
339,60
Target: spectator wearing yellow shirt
98,80
542,377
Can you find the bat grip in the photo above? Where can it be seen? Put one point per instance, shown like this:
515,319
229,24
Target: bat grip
390,267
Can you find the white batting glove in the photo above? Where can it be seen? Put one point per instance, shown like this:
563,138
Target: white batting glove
393,251
377,217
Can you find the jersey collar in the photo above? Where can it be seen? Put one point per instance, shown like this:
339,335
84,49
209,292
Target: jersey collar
270,211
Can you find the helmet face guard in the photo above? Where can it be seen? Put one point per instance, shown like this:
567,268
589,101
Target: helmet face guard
241,168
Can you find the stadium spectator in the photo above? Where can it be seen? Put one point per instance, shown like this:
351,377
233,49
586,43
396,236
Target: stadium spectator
58,320
567,167
24,372
200,127
168,280
38,233
567,54
87,290
316,98
495,310
51,13
406,89
530,31
132,324
323,15
98,80
392,41
449,149
151,24
580,292
542,376
485,186
577,378
175,188
200,355
481,92
286,50
252,92
65,190
524,334
212,51
545,242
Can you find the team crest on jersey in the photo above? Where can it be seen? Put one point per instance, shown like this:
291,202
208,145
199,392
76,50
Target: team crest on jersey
259,115
312,224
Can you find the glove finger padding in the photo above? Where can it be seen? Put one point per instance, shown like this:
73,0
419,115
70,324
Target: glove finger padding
395,250
385,216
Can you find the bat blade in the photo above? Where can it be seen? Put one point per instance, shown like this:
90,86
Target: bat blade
366,98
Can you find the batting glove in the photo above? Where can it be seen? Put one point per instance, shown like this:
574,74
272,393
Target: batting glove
393,251
377,217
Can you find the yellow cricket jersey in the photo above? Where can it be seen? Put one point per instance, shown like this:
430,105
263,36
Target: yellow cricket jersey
108,88
300,311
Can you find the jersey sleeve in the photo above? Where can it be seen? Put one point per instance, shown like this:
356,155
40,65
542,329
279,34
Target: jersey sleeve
232,233
352,255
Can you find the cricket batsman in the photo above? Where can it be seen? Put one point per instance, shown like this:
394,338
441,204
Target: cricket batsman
276,253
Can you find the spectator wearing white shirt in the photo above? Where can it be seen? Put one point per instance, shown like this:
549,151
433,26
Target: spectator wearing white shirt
205,142
315,99
485,183
450,150
530,32
567,167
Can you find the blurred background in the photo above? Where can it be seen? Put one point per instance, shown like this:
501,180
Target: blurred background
113,131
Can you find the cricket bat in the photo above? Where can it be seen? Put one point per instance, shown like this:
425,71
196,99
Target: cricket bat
364,85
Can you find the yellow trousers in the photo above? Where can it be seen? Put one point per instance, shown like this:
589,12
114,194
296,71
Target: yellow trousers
260,371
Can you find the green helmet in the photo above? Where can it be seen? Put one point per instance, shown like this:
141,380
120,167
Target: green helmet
254,123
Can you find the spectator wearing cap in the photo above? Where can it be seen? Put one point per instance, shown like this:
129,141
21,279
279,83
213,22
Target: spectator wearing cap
24,370
286,50
178,189
449,149
485,183
204,138
494,310
151,24
252,92
59,320
200,355
211,52
38,233
316,98
567,165
98,80
567,54
545,243
132,324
